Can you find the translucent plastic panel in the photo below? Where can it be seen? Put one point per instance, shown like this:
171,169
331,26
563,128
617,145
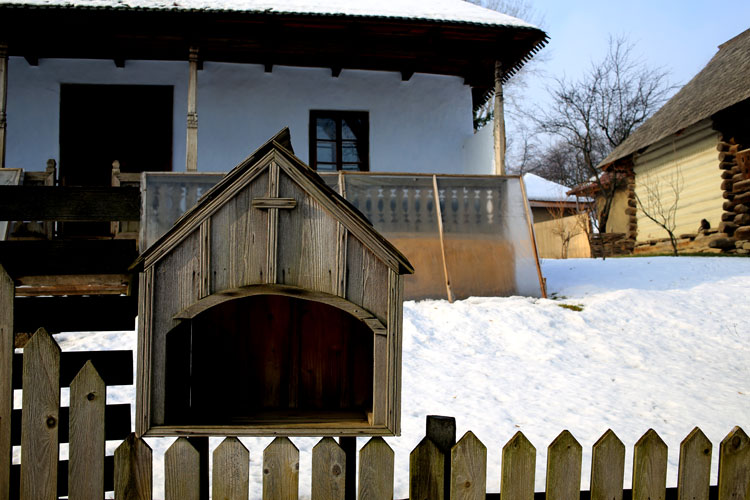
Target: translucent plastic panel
402,208
488,246
166,196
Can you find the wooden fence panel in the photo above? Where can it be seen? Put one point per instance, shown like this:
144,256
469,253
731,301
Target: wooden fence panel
517,473
694,474
41,404
426,472
182,471
88,398
133,470
468,469
376,471
650,467
607,467
7,292
564,458
328,471
231,474
734,466
281,470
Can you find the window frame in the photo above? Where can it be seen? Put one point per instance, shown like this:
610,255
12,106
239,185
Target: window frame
338,116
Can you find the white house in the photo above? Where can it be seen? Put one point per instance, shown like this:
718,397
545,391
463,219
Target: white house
385,86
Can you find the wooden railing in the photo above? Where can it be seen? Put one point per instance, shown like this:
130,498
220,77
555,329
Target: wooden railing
439,468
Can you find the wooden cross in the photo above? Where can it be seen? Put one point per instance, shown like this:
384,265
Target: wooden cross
273,203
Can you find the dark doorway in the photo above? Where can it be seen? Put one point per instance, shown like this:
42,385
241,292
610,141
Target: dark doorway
103,123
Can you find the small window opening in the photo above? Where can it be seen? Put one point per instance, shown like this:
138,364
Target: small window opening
339,140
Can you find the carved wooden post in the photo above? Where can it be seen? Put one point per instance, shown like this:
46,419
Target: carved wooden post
191,145
3,98
498,122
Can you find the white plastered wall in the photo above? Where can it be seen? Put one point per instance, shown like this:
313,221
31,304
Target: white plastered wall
416,126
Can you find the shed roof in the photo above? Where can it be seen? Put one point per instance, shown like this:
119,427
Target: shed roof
722,83
345,212
452,11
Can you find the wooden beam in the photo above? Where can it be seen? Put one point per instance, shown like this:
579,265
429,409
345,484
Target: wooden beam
69,203
266,203
6,377
439,216
268,67
44,257
119,62
73,284
191,157
498,121
3,101
115,367
406,74
32,59
335,71
74,314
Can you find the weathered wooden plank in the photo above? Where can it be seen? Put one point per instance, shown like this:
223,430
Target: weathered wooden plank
427,472
41,403
564,457
239,240
114,367
281,470
468,469
231,472
694,473
279,203
6,378
60,203
117,427
650,467
182,471
517,469
307,243
45,257
88,398
607,467
133,470
328,471
62,477
734,466
104,313
439,429
73,284
376,471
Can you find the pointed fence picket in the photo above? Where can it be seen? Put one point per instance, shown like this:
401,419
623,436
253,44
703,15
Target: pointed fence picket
467,459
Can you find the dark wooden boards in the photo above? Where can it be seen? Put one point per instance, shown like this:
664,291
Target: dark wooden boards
75,313
115,367
69,203
44,257
116,427
62,477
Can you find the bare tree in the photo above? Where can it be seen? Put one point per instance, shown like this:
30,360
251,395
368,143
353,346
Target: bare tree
593,115
662,196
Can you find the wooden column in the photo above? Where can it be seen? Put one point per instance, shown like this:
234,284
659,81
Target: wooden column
7,293
498,122
3,98
191,145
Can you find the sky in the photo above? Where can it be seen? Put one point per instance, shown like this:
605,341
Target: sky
679,37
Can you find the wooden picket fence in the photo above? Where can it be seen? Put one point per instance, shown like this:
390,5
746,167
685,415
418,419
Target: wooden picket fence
437,471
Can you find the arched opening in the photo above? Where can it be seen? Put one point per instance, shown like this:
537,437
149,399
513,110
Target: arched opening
266,359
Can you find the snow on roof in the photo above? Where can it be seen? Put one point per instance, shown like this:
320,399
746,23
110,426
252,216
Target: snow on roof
453,11
540,189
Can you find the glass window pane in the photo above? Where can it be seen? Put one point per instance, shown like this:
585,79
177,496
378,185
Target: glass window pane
350,166
351,128
325,129
326,167
349,152
326,152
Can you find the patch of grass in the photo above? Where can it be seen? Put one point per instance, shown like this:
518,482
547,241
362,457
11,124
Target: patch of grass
572,307
554,296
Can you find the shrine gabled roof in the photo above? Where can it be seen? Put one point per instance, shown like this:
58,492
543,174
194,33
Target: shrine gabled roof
351,218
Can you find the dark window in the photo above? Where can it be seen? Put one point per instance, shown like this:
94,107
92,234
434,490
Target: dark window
339,140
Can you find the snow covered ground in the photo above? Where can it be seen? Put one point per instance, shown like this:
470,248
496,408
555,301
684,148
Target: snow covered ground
660,343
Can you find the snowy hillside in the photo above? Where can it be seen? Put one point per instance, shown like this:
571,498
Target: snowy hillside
659,343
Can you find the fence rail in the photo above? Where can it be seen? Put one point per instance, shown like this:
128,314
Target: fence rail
437,471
